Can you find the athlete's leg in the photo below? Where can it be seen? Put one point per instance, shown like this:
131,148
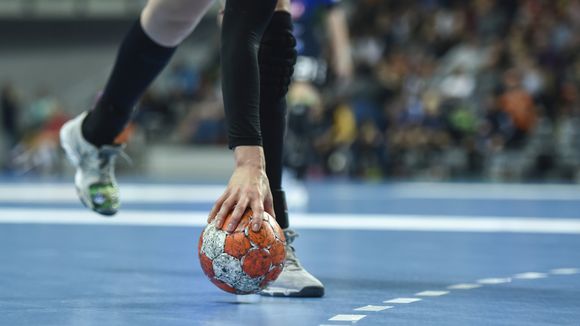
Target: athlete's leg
169,22
145,51
277,58
242,33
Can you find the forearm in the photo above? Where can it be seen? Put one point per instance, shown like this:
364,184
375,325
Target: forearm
337,28
243,26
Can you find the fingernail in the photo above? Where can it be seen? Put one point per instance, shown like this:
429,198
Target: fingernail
256,227
230,227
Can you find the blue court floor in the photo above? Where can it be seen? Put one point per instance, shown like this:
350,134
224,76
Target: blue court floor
392,254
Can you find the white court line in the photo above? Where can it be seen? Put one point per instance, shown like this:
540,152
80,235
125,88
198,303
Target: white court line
565,271
459,286
464,286
491,281
431,293
373,308
530,276
309,221
132,192
351,318
490,192
147,193
402,300
63,193
472,191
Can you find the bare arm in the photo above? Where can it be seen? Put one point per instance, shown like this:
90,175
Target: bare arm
244,23
248,187
337,29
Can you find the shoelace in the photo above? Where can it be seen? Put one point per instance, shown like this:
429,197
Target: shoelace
105,161
291,259
107,157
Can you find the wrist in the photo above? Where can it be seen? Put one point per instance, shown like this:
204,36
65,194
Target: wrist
250,156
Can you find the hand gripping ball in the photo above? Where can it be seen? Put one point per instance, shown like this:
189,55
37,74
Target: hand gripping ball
244,261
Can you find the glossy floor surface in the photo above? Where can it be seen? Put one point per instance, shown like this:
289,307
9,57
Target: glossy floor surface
393,254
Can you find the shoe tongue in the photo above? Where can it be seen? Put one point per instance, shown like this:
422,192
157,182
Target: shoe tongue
291,260
290,236
108,152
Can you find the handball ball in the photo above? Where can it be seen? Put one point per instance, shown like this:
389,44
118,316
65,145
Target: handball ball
243,261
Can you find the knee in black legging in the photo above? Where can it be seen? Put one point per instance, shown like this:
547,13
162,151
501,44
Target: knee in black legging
277,56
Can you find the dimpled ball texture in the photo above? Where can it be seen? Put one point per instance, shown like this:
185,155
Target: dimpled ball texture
243,261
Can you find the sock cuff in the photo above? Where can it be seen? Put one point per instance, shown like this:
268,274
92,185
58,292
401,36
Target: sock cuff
145,41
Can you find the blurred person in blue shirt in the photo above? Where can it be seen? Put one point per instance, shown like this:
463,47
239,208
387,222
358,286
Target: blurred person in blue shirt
324,59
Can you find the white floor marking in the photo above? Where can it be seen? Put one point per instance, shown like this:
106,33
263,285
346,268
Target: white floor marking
565,271
64,193
431,293
468,191
143,192
373,308
301,220
459,191
464,286
530,276
491,281
459,286
402,300
351,318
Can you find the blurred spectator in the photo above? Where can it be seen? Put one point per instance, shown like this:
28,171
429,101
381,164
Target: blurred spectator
458,84
10,110
519,106
38,150
439,89
369,151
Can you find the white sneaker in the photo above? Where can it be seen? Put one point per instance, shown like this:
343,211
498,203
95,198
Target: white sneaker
294,281
95,176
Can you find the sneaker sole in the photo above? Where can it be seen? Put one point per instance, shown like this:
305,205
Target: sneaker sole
104,213
307,292
70,153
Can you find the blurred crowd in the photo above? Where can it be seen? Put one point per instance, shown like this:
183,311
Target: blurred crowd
439,90
29,133
467,88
